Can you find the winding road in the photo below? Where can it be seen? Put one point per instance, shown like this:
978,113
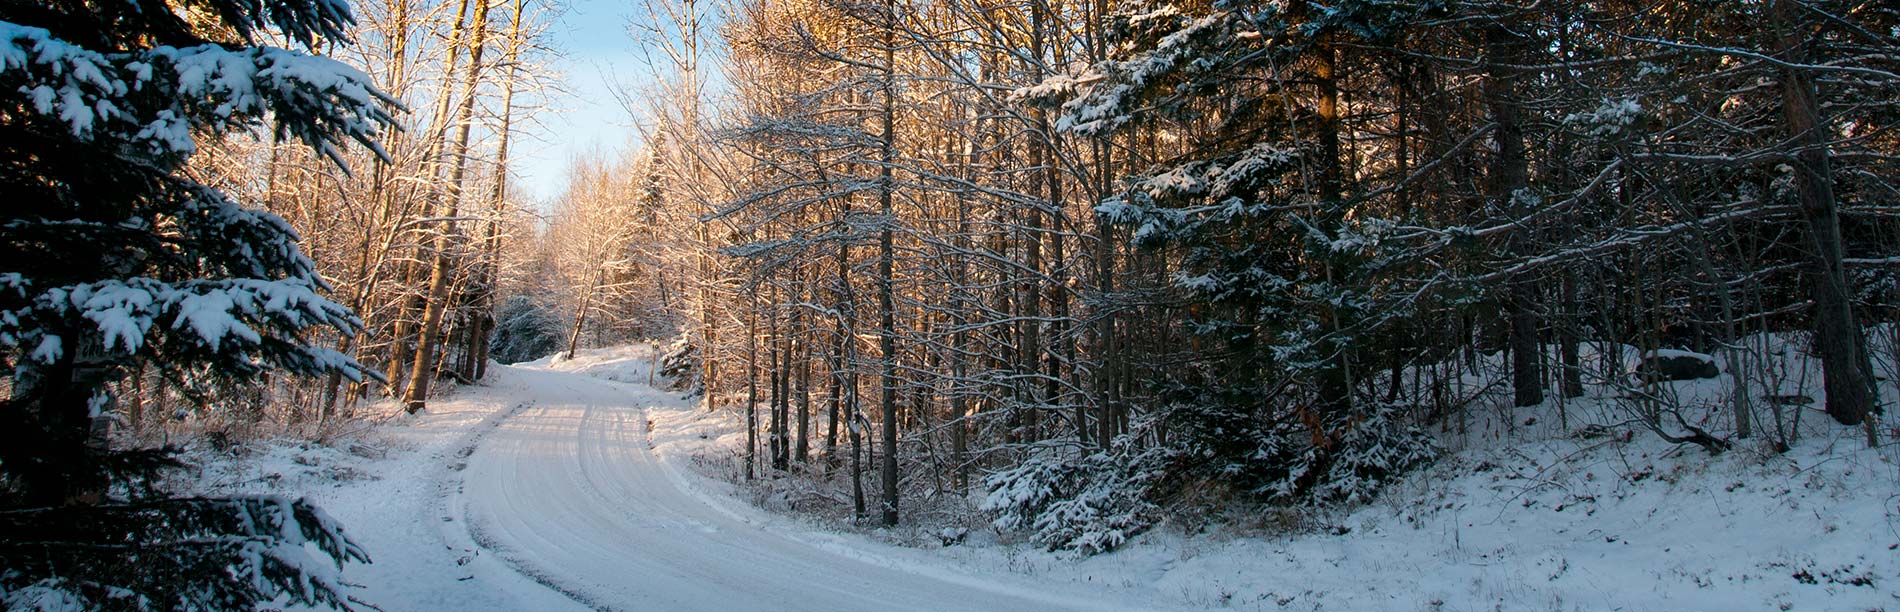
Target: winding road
568,491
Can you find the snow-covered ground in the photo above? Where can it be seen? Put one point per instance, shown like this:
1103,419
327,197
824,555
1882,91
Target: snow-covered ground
396,488
571,484
1523,516
543,490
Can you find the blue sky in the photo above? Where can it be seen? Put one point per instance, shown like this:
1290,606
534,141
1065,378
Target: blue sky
592,36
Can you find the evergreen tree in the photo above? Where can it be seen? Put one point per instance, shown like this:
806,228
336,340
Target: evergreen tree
527,328
116,257
1279,256
1272,235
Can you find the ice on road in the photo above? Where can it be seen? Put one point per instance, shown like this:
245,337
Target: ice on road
569,491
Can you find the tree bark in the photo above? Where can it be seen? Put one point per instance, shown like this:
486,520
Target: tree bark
803,357
751,390
886,302
422,371
1510,174
1847,374
1335,375
484,302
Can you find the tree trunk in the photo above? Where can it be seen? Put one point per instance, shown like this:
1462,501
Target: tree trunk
886,302
484,322
1335,375
803,358
751,390
835,399
1847,374
422,371
580,319
779,384
1510,174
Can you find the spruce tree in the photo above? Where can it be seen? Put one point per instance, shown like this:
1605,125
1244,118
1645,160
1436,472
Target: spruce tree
1283,271
1287,271
114,257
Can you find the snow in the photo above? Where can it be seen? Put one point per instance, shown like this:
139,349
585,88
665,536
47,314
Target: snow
581,491
1619,526
111,307
46,596
1522,515
390,486
49,350
1678,354
216,313
1051,88
220,89
570,484
210,316
1105,105
544,489
1612,116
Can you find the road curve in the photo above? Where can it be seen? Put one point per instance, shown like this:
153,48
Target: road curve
568,492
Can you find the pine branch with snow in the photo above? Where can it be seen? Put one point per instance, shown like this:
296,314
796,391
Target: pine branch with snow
175,554
117,258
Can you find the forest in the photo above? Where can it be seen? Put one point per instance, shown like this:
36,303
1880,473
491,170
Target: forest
1077,268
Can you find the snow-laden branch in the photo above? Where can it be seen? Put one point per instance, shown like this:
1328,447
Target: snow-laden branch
240,318
93,96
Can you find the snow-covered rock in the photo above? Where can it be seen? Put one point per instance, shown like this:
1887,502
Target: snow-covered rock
1671,364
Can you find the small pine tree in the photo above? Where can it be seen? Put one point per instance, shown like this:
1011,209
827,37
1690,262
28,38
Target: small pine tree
115,257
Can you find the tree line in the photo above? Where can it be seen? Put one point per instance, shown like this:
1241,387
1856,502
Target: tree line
1100,250
1093,259
418,239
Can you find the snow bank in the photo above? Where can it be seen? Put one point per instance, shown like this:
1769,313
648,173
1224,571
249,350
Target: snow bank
394,486
1532,510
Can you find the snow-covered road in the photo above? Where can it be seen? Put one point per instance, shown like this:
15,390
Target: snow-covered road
545,488
569,491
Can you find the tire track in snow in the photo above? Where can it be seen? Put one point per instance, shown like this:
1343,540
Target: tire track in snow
470,540
572,495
